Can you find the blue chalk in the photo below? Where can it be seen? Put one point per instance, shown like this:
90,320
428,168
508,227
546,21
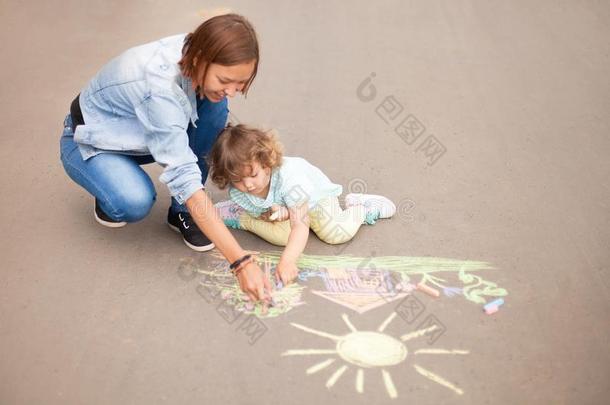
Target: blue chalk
279,285
495,303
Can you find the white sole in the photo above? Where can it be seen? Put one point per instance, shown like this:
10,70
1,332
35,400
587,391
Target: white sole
195,248
384,200
106,223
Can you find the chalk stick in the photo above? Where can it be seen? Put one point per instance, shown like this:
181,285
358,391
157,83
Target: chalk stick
491,310
275,215
495,303
279,285
428,290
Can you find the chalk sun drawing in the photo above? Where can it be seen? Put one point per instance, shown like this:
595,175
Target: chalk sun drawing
370,350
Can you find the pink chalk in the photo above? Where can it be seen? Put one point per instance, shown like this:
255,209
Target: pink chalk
428,290
491,310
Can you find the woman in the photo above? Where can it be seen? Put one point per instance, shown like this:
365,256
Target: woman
164,102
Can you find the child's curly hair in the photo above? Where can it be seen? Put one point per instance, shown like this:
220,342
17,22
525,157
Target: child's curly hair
238,147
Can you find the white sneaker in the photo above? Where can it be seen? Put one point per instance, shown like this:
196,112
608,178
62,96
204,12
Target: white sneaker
376,205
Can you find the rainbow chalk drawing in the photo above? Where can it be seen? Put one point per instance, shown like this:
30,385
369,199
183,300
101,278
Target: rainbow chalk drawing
370,351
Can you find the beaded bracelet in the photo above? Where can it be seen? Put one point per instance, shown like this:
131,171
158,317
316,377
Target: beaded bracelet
237,262
241,265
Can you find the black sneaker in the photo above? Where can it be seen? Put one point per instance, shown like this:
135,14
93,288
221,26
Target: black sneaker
102,218
193,237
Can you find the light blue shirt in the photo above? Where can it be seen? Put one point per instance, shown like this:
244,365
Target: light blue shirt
140,104
294,183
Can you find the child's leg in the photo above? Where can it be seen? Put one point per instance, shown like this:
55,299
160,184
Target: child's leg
334,225
230,213
276,233
237,218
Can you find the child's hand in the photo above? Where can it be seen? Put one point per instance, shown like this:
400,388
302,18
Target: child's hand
287,271
275,214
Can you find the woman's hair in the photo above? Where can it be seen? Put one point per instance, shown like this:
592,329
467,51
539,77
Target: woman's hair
238,147
226,40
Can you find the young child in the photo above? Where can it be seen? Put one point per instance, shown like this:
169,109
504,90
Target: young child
280,198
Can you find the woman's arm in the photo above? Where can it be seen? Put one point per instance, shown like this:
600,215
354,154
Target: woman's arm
251,279
299,233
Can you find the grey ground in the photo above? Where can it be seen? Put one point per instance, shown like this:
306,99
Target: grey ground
517,92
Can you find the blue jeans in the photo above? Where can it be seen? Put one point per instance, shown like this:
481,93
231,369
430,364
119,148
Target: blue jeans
123,189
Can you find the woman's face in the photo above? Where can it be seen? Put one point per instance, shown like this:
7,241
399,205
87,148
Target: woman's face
255,180
221,81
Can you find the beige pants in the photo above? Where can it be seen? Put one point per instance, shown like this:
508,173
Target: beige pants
332,224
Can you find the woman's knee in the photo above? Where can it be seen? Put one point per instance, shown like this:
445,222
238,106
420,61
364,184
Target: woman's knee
131,205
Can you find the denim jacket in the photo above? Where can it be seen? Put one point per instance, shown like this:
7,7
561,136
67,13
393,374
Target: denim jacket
140,104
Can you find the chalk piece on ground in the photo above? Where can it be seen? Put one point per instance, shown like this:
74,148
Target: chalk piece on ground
496,303
491,310
428,290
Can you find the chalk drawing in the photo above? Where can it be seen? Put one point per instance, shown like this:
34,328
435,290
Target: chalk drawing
398,273
360,303
365,354
220,280
385,279
370,350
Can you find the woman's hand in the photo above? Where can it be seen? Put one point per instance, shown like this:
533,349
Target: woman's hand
253,282
275,214
287,271
206,217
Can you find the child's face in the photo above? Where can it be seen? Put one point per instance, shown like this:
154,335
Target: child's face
255,180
